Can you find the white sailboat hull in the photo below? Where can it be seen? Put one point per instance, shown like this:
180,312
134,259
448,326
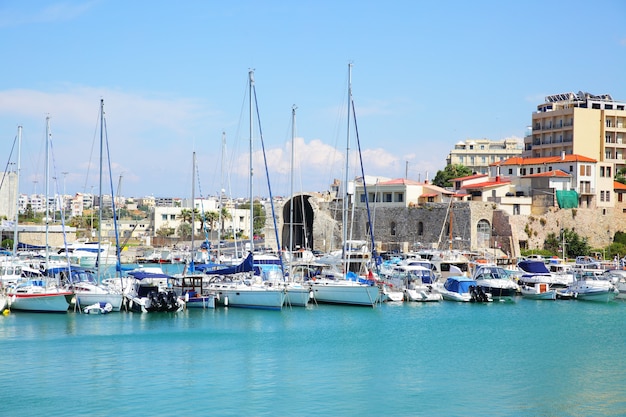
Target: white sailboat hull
345,292
49,302
297,297
250,296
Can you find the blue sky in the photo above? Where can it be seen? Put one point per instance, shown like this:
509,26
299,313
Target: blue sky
173,76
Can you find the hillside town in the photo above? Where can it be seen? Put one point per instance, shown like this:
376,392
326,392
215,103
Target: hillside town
566,174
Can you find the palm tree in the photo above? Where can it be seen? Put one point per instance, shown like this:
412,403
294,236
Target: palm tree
225,216
210,217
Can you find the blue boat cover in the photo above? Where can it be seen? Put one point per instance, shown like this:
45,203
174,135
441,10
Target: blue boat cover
533,267
459,284
246,266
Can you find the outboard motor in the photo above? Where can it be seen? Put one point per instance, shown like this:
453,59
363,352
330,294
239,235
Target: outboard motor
473,294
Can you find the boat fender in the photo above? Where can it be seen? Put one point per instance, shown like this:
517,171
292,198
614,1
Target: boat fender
226,301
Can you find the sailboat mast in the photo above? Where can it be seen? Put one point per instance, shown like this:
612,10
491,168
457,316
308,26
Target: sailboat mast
251,85
193,207
98,258
293,138
17,189
47,173
344,216
221,207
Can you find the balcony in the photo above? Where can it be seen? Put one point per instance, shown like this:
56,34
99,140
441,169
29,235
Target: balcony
586,190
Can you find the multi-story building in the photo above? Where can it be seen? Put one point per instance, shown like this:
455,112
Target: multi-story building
477,154
582,124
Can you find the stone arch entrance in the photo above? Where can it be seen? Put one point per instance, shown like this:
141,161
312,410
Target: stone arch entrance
302,225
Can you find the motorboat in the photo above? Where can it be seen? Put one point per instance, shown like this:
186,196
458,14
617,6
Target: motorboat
83,283
539,291
464,289
152,292
589,287
618,278
535,271
417,281
495,280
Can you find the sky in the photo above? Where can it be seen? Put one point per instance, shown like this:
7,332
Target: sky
174,80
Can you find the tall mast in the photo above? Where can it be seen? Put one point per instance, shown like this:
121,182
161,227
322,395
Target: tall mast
346,195
221,198
47,173
293,137
99,257
17,189
193,207
251,76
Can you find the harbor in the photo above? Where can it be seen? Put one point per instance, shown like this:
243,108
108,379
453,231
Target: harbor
526,358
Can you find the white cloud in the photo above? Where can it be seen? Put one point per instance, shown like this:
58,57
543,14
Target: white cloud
56,12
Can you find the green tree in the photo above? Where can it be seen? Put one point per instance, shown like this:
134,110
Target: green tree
225,216
259,216
184,230
620,175
165,231
210,219
443,177
186,214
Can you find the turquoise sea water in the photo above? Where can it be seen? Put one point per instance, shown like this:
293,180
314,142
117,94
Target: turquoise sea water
527,358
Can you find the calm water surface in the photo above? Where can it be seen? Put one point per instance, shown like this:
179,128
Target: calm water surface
527,358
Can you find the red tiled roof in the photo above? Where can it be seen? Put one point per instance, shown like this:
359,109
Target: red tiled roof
487,184
429,195
557,173
470,177
400,181
619,186
518,160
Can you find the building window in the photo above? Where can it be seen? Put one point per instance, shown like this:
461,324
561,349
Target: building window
393,228
164,217
387,198
619,197
399,197
608,196
362,197
420,229
516,209
601,195
510,171
602,171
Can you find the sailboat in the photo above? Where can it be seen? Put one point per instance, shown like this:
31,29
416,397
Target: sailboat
88,288
244,289
339,289
297,294
41,294
192,287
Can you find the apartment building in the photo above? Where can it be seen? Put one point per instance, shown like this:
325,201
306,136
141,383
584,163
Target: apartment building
477,154
584,124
